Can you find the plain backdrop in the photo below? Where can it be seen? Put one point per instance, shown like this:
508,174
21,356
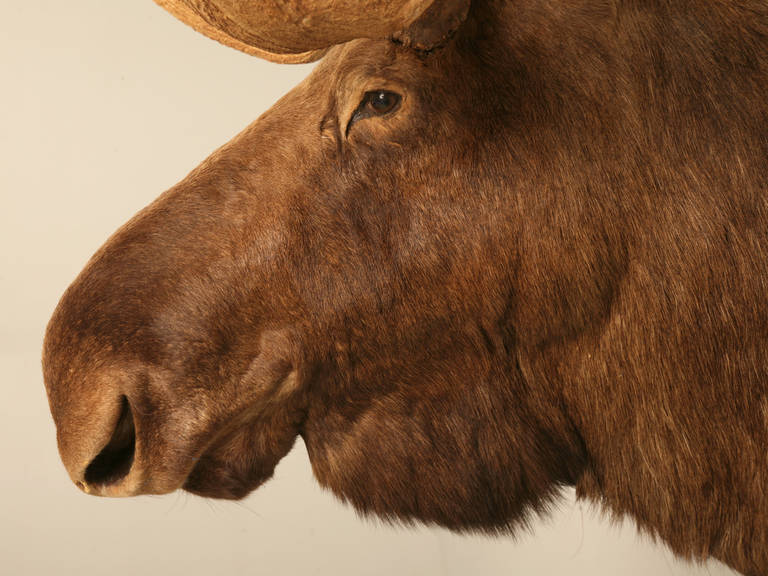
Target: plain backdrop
103,105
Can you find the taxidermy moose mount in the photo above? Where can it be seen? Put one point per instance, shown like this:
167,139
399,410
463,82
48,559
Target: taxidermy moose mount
484,251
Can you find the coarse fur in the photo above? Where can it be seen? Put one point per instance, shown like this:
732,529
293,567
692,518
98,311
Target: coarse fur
547,267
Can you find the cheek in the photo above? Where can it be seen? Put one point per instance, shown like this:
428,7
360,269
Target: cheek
388,134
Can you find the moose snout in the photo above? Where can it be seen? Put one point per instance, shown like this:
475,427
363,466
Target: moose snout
98,413
111,439
99,448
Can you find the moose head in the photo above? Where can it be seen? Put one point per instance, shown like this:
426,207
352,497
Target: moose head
484,251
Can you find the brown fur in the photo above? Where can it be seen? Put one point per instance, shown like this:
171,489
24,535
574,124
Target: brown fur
548,267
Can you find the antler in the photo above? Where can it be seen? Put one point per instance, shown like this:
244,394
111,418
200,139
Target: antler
294,31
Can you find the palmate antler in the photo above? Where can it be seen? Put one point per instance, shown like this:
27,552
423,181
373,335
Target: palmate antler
296,31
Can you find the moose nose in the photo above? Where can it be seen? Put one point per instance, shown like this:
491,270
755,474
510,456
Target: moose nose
110,468
113,463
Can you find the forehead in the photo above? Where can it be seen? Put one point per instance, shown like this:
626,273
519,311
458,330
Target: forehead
364,58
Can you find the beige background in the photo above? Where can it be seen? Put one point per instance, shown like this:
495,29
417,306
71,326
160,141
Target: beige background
103,105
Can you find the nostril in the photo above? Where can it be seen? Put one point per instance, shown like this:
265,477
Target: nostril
114,461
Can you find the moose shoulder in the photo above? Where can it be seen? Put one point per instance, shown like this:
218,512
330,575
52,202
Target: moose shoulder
483,251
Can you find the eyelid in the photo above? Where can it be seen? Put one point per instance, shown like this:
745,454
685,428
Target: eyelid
362,112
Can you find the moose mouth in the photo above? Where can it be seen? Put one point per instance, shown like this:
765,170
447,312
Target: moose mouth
227,470
114,462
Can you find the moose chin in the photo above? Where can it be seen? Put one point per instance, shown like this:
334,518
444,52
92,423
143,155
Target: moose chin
485,250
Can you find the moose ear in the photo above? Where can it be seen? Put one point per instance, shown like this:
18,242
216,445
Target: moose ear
295,31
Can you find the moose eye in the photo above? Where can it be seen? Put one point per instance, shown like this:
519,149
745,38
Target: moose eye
382,102
375,103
